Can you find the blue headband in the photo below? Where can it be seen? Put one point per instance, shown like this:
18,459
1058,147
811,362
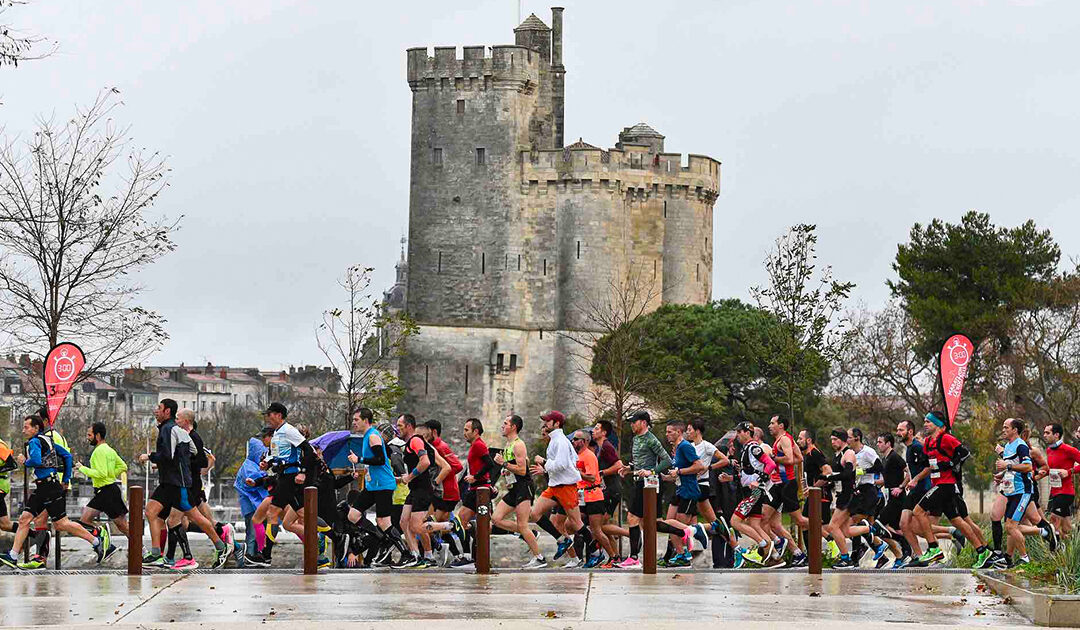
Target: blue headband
932,417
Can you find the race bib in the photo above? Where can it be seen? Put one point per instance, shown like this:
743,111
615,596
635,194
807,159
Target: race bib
934,472
581,497
1055,479
1007,484
367,475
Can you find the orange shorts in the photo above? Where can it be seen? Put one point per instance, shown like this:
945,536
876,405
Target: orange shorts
566,496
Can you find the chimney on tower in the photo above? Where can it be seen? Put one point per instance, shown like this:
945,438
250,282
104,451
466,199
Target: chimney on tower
558,76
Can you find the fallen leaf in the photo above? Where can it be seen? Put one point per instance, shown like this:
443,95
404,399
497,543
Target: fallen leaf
551,614
979,613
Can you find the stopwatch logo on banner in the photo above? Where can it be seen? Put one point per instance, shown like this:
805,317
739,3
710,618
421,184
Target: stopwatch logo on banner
958,353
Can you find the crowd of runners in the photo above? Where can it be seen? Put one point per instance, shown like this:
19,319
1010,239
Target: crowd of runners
417,501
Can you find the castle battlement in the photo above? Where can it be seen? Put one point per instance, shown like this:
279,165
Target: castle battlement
507,65
615,169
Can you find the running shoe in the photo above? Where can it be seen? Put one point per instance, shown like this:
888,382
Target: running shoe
562,546
185,564
462,563
457,527
662,563
595,559
688,538
857,554
110,552
630,563
221,556
154,560
573,563
881,562
832,551
99,550
932,556
256,559
754,556
1022,560
227,534
611,563
679,561
105,536
740,561
36,563
983,559
999,562
879,553
8,560
902,563
536,563
781,548
958,539
843,563
701,536
768,551
406,562
1052,538
801,560
324,562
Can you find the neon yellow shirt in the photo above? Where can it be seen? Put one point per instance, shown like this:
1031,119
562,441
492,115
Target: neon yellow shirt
105,466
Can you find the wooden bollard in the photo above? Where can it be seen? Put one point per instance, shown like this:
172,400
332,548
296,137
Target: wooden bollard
135,529
813,534
648,530
483,531
311,530
56,541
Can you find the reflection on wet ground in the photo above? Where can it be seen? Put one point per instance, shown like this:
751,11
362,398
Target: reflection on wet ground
947,598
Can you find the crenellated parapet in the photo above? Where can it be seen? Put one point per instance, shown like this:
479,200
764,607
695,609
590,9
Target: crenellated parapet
508,66
629,171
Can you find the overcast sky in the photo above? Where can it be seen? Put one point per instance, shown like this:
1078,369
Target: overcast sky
287,127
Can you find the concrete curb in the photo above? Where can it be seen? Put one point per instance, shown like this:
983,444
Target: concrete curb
1042,608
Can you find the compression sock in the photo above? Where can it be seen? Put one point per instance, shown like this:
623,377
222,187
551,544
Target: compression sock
219,529
635,541
260,535
549,527
182,540
997,532
41,541
451,541
581,538
905,547
669,550
172,538
268,548
664,528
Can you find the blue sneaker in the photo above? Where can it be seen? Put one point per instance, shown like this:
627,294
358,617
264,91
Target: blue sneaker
8,560
781,547
880,551
701,536
594,560
739,560
563,545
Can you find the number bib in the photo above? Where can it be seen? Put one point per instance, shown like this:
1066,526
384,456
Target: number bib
934,472
581,497
1054,479
1007,486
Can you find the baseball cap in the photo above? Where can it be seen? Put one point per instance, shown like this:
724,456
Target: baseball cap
744,426
641,414
554,416
276,408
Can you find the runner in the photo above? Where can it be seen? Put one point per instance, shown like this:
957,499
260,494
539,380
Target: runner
451,493
561,469
863,506
610,465
816,470
1014,472
379,486
7,464
421,460
686,465
50,492
518,496
105,470
843,478
648,458
944,454
250,496
755,477
591,499
915,458
1062,462
787,455
480,465
712,459
290,458
894,479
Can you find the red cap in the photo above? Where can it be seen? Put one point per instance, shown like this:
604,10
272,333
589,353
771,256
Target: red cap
555,416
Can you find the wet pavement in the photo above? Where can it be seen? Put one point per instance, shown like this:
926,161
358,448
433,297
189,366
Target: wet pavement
511,598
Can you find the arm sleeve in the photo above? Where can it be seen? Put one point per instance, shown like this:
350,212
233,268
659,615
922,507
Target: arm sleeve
309,461
877,467
378,456
847,474
342,481
769,464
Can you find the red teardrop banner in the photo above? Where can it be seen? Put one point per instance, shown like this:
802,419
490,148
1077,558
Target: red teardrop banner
955,356
62,368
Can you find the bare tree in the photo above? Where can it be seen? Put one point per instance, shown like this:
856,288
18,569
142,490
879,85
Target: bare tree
879,373
15,46
361,341
74,229
605,355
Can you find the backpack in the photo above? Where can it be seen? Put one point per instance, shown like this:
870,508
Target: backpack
396,454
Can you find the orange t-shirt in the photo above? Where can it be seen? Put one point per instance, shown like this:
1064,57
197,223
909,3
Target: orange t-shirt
589,465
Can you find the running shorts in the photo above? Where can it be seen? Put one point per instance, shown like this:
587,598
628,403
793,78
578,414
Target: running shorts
595,507
890,514
843,499
48,496
685,506
468,497
750,506
518,493
419,499
705,490
443,505
286,493
961,505
383,500
789,497
826,511
637,503
912,498
564,495
110,500
171,498
1061,505
196,493
864,501
940,500
1016,505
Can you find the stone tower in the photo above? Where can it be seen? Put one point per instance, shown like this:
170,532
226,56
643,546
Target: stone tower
509,230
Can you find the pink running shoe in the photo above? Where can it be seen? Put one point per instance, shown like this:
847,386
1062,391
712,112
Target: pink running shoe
185,564
629,563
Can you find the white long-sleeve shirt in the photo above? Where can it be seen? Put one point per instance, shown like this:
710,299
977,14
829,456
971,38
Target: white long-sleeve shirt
561,464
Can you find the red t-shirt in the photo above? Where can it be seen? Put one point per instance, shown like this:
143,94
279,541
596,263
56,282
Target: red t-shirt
477,450
1063,457
450,491
941,450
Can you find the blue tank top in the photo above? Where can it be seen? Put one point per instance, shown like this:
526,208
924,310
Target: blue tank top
379,477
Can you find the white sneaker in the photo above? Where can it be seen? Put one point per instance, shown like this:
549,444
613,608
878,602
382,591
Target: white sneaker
536,563
573,563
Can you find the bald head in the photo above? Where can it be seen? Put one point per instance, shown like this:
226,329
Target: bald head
185,418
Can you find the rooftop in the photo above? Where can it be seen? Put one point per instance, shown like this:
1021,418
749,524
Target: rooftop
532,23
642,129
